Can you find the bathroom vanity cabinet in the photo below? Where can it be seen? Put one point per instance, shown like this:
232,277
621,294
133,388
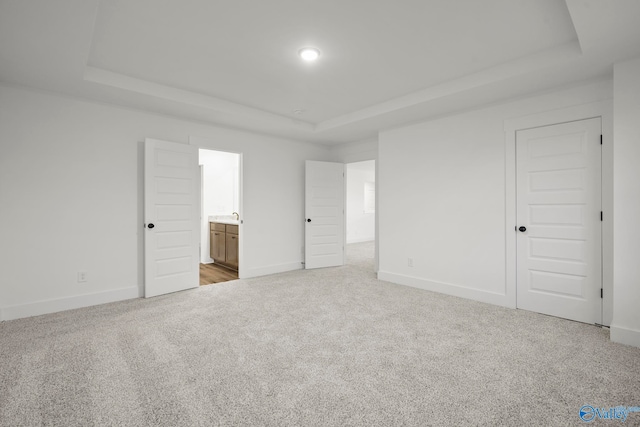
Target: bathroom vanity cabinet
224,244
231,250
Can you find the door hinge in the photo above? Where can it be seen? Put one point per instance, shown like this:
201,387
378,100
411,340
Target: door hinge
600,139
601,216
601,293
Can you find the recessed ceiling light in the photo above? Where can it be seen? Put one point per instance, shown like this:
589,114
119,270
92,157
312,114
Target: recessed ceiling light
309,53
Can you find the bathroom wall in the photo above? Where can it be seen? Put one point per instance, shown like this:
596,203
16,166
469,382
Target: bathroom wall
220,182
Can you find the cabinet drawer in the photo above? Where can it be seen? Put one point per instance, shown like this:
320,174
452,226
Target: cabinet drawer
217,227
232,229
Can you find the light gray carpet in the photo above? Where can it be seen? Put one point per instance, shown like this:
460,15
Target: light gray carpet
360,256
323,347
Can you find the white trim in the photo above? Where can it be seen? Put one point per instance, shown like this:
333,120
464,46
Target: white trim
487,76
194,99
68,303
510,217
376,254
344,215
607,208
625,336
446,288
273,269
602,109
552,117
241,231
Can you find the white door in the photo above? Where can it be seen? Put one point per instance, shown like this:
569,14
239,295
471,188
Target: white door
171,216
559,220
324,210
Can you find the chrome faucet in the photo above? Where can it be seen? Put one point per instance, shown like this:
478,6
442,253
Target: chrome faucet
237,216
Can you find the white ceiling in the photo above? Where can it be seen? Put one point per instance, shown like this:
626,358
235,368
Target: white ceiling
383,63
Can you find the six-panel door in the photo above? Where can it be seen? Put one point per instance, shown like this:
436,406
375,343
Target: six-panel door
324,210
558,211
172,218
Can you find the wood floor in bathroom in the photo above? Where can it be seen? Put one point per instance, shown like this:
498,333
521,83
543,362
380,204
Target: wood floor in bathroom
212,273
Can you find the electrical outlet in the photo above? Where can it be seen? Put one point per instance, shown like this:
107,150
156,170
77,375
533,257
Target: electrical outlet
410,262
82,276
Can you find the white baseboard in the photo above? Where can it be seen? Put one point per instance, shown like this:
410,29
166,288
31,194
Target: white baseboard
446,288
361,240
37,308
625,336
272,269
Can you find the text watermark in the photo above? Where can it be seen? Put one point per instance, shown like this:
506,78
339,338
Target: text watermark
589,413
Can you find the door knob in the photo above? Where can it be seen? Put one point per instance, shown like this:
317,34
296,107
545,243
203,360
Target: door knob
308,219
151,225
522,229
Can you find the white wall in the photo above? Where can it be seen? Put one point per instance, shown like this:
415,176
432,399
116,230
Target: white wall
448,178
273,199
220,182
357,151
71,198
220,191
625,327
360,224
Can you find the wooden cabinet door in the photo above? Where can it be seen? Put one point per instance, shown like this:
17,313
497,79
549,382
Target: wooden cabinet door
218,246
232,250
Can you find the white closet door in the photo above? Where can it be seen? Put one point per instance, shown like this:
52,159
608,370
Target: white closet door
324,210
172,217
558,217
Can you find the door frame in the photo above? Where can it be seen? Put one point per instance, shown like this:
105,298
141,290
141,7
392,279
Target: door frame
375,223
241,232
602,109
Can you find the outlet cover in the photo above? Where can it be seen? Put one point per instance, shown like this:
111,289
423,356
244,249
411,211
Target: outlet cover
82,276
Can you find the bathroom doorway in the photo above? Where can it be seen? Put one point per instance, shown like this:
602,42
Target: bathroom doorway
220,216
361,214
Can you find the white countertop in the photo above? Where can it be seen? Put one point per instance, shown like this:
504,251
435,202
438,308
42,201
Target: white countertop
224,219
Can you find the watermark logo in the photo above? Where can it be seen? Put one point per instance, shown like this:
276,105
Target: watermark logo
589,413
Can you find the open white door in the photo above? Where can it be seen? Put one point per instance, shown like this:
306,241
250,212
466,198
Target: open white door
559,220
171,216
324,210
